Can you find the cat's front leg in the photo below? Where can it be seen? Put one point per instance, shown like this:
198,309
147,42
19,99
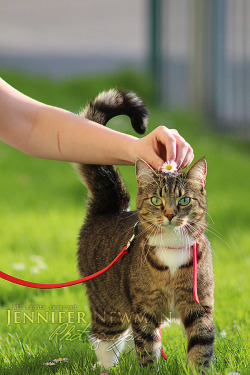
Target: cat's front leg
199,326
147,338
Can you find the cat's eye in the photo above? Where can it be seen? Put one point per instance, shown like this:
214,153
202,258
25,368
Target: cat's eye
156,201
184,201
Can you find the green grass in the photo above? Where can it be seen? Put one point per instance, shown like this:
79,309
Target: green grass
42,209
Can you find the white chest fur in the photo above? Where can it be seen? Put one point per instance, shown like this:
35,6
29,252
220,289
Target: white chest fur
173,249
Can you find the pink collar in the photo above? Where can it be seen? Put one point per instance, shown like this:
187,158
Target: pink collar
174,248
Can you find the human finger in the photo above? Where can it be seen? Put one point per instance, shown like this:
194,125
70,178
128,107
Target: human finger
155,161
184,153
187,159
166,137
149,149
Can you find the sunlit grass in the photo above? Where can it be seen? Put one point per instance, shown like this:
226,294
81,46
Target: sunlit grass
42,209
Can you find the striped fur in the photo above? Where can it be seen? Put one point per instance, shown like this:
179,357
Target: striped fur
153,282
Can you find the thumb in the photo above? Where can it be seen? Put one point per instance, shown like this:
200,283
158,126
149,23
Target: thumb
155,161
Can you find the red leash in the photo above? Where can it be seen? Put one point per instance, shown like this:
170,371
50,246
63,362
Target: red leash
124,251
30,284
195,292
61,285
162,351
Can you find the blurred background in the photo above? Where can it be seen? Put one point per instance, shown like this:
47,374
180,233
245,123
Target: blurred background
196,51
190,62
61,38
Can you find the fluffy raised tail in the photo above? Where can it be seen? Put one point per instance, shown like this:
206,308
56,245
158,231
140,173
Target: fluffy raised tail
107,193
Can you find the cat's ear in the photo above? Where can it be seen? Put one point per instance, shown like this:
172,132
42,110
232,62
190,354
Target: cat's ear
144,172
198,171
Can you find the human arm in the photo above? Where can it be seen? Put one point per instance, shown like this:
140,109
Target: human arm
52,133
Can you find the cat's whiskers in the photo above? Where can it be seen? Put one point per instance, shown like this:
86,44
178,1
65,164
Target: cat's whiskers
141,233
154,231
206,239
181,235
145,257
190,228
161,239
202,231
128,214
145,230
210,217
185,238
183,241
194,231
129,229
133,213
205,226
210,228
212,231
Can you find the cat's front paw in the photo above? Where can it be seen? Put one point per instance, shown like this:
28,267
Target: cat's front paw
101,366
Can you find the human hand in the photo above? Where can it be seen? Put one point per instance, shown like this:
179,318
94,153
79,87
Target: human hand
161,145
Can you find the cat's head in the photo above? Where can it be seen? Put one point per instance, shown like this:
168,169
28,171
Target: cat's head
174,201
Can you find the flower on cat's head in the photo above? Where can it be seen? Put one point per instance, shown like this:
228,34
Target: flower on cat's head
169,167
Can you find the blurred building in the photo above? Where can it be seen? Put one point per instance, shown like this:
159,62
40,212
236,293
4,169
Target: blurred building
204,58
198,50
61,38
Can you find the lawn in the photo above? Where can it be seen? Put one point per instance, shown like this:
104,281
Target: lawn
42,208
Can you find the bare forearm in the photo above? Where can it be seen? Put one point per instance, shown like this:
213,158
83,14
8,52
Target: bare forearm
61,135
53,133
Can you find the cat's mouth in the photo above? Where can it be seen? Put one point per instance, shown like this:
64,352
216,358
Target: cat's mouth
170,224
174,226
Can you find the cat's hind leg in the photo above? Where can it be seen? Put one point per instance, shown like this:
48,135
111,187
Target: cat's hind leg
108,351
129,341
147,338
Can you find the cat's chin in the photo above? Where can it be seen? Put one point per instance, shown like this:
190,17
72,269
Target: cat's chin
172,247
171,236
168,226
172,228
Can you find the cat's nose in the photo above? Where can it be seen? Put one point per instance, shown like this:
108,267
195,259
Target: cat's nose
170,216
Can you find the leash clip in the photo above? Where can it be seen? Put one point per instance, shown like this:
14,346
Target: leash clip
133,236
130,241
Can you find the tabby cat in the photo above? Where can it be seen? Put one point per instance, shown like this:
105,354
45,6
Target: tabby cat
153,281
